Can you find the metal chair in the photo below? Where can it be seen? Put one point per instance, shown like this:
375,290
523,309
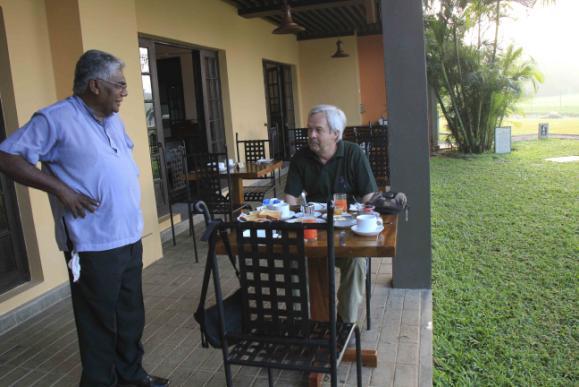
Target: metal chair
254,150
174,158
212,186
377,151
278,332
298,139
374,143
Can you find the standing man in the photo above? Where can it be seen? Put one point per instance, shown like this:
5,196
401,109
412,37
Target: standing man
92,181
330,165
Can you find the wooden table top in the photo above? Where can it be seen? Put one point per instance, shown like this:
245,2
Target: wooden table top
249,170
382,245
252,170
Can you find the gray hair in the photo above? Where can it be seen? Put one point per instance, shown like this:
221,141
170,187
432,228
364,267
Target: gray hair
94,64
335,117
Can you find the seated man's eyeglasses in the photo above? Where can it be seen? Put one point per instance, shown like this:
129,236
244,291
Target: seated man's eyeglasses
119,85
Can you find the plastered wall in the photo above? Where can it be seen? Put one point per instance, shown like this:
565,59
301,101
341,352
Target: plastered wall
243,45
372,82
39,73
335,81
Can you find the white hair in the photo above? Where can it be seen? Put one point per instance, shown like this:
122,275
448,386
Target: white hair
335,117
94,64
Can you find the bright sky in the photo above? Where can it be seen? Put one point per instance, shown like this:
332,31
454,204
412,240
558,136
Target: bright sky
549,34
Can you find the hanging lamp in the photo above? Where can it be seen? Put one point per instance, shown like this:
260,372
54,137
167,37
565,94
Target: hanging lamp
340,53
288,26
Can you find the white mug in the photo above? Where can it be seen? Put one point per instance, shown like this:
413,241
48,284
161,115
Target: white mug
282,207
366,223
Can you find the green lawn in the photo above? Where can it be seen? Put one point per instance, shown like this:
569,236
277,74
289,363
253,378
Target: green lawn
564,125
525,125
567,104
505,267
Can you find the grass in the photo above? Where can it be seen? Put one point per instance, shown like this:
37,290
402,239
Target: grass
505,267
563,104
524,125
564,125
561,112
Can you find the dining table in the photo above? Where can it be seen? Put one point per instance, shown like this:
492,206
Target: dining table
347,245
254,170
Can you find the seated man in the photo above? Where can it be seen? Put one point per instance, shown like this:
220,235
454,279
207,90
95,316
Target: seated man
329,165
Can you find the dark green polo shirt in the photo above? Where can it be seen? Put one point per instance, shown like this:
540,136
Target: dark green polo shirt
347,172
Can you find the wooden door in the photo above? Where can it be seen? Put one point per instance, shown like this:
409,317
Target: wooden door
13,260
280,106
212,103
154,123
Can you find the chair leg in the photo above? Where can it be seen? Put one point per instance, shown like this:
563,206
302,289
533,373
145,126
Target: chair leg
269,377
368,290
192,231
358,356
172,225
194,242
228,378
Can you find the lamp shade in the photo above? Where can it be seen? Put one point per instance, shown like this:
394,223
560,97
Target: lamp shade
288,26
339,51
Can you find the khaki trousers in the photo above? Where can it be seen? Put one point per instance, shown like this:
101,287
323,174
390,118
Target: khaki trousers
352,284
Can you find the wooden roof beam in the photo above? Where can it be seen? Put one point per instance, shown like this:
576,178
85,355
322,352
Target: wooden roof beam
370,7
297,6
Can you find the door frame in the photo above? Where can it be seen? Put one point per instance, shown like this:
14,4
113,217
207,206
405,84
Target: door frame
14,232
155,153
287,114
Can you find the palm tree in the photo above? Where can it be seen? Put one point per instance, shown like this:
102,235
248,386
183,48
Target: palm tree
476,85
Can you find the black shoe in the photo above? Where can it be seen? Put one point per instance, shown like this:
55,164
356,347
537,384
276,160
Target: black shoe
148,381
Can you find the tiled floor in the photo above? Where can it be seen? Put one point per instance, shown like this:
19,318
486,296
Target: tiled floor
43,350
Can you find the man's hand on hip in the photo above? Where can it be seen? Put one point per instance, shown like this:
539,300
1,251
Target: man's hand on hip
25,173
77,203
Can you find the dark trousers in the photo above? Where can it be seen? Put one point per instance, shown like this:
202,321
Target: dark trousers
110,315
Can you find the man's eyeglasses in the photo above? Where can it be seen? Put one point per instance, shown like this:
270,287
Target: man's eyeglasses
119,85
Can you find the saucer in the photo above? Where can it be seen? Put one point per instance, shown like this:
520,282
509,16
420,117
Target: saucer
377,231
290,215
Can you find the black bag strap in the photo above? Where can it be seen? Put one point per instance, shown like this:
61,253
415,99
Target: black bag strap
202,208
210,236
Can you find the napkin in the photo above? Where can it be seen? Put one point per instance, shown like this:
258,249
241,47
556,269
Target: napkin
260,234
74,266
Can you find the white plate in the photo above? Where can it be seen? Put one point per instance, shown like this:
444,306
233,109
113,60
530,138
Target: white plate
296,220
367,233
344,221
319,206
316,214
290,215
343,215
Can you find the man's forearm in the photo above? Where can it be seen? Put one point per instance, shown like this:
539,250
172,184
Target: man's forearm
291,200
27,174
367,197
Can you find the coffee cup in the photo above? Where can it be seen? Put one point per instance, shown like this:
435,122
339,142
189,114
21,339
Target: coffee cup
284,208
279,205
366,223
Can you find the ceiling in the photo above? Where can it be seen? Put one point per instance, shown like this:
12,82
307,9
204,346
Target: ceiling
321,18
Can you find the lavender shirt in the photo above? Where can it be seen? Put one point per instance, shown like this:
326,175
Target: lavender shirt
92,158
